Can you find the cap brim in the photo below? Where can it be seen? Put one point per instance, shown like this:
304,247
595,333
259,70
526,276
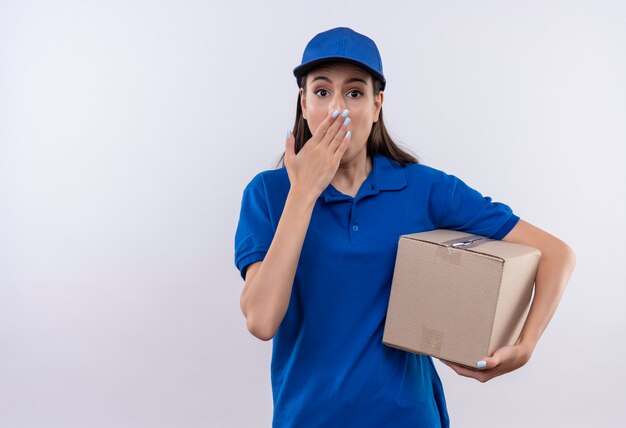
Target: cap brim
300,70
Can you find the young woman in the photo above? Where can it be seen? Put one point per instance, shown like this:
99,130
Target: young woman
316,245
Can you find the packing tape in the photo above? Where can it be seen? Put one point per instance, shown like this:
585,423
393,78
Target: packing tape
447,255
431,340
467,242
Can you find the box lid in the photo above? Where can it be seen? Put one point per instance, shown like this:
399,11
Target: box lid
463,241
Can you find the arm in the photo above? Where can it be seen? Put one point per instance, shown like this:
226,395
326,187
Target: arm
555,268
267,289
266,294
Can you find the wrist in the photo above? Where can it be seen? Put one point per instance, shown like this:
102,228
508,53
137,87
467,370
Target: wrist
526,347
302,198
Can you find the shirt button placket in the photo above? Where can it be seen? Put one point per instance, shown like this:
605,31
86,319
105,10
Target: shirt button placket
354,226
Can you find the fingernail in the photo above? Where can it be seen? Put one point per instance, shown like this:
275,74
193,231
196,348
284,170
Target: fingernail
348,134
481,364
347,121
345,113
335,113
288,135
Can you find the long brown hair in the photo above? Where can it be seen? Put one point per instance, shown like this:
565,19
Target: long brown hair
379,140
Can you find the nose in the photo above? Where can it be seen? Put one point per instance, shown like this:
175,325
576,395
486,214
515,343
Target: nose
338,103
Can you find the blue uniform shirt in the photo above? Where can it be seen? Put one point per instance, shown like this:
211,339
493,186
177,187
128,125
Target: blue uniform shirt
329,366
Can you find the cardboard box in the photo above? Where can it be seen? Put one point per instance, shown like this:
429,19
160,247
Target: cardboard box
458,296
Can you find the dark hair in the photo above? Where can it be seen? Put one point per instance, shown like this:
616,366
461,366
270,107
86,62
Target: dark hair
378,142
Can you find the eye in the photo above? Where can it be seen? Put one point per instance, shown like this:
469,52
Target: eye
357,91
321,90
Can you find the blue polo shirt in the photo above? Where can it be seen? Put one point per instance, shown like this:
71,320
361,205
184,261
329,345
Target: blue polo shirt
329,367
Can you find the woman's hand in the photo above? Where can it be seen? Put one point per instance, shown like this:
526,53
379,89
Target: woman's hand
315,165
504,360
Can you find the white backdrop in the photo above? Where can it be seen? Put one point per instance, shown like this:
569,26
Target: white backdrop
128,130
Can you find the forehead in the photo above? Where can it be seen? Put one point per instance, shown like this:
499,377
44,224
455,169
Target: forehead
339,72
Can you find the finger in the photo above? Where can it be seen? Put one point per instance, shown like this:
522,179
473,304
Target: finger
323,127
446,362
343,147
490,363
341,124
290,145
458,367
467,372
464,371
498,356
339,138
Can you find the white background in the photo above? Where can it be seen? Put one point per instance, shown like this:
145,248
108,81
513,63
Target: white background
129,129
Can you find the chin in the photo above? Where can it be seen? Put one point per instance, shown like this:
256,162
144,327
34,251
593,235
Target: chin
347,156
351,153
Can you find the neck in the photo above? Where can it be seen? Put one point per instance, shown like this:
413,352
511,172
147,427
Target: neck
351,174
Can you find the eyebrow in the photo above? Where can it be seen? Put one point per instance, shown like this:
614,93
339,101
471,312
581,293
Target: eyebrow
353,79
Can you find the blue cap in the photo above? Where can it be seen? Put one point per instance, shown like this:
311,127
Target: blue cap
341,44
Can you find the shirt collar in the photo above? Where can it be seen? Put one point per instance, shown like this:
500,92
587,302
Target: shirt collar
386,174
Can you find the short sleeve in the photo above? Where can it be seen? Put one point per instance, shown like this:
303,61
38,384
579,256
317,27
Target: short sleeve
466,209
254,232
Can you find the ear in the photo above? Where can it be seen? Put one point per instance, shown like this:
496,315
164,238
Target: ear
303,103
378,103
